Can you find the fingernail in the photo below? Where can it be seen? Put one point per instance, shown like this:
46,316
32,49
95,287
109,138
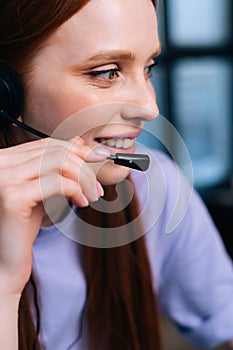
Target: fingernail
85,201
102,151
99,189
93,195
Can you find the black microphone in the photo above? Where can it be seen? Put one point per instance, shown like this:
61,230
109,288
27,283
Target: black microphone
135,161
22,125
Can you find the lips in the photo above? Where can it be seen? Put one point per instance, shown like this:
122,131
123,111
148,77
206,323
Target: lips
119,141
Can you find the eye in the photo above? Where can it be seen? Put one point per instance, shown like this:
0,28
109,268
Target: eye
149,69
104,74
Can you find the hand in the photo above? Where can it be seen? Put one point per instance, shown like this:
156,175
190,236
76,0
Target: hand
29,174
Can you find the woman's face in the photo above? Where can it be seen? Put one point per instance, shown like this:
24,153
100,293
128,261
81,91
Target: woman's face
102,55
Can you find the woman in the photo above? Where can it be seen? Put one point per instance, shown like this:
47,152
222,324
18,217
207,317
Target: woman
72,57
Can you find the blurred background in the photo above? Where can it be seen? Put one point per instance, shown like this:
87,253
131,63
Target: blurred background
193,82
194,86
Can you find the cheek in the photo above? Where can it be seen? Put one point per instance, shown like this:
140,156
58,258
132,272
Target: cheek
73,96
64,102
48,106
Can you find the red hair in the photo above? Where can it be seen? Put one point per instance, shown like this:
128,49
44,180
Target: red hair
126,316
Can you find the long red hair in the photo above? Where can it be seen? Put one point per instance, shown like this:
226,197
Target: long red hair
125,317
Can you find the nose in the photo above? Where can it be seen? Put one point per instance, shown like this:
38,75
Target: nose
140,101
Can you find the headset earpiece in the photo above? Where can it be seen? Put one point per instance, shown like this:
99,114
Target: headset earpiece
11,91
11,100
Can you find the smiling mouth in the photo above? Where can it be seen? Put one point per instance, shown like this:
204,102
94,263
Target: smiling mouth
117,143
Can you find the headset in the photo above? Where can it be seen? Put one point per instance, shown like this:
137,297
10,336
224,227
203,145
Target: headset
11,106
12,100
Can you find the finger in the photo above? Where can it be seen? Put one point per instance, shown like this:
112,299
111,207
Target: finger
21,200
37,148
95,154
57,184
56,159
68,165
77,170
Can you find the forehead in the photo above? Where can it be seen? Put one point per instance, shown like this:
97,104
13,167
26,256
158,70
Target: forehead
105,25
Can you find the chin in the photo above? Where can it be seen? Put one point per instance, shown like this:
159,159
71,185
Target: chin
111,174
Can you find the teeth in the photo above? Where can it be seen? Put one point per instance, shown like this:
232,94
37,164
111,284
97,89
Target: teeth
118,143
127,143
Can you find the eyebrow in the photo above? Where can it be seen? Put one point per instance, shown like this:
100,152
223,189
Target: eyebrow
123,55
112,55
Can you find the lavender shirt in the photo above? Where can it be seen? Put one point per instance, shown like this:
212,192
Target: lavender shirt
192,274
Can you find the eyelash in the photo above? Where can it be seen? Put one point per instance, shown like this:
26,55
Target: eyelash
151,66
96,74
